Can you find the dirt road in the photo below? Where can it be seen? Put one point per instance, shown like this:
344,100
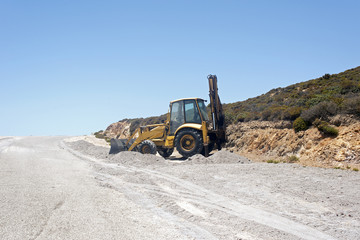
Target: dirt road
51,188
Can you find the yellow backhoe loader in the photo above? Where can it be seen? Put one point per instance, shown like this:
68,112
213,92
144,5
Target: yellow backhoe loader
187,128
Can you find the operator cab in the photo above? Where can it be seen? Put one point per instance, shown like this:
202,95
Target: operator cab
189,110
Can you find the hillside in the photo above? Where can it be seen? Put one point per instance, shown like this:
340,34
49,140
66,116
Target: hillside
339,91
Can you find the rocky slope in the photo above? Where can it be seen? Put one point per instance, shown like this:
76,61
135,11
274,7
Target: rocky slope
118,130
277,141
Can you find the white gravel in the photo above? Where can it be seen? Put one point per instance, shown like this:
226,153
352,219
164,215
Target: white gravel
55,189
233,198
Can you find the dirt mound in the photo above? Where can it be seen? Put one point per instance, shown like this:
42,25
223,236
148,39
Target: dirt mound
136,158
90,139
90,149
133,158
222,156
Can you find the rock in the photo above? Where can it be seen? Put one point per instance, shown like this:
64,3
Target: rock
262,140
119,130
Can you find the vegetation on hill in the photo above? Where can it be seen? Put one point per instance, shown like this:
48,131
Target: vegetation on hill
317,98
304,102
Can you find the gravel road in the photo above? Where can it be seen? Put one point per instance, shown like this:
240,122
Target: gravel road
58,188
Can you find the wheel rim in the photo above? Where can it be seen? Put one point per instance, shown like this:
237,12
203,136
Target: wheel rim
146,149
187,142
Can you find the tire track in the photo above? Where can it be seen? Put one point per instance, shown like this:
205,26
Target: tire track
5,142
187,228
212,200
199,195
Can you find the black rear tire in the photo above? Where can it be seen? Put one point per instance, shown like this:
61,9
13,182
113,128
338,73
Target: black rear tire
188,142
147,147
165,152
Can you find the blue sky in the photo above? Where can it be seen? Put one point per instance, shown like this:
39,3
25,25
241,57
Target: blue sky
74,67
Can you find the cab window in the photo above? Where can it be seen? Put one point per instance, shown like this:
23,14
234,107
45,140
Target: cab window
191,112
176,116
203,110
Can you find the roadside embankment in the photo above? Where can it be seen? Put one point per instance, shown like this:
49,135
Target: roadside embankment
277,141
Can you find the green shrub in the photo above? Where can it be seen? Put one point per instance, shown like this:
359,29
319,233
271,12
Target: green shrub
326,76
348,86
316,99
329,130
325,128
299,125
337,100
135,124
293,159
244,117
229,118
355,169
265,115
277,112
99,134
292,113
273,161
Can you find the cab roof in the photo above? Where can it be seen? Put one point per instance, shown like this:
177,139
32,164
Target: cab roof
182,99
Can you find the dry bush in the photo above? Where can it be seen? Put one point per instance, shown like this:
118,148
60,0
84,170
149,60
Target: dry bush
322,111
352,106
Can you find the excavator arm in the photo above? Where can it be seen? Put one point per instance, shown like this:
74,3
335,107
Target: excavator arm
217,115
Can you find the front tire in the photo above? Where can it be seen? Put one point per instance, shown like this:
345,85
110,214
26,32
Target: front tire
147,147
188,142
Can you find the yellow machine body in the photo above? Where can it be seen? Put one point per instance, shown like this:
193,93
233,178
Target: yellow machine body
187,128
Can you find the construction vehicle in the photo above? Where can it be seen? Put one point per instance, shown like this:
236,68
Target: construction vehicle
187,128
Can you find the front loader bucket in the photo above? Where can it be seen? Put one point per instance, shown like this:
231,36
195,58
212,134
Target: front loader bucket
118,145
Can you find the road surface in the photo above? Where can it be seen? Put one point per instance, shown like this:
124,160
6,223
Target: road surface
50,189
